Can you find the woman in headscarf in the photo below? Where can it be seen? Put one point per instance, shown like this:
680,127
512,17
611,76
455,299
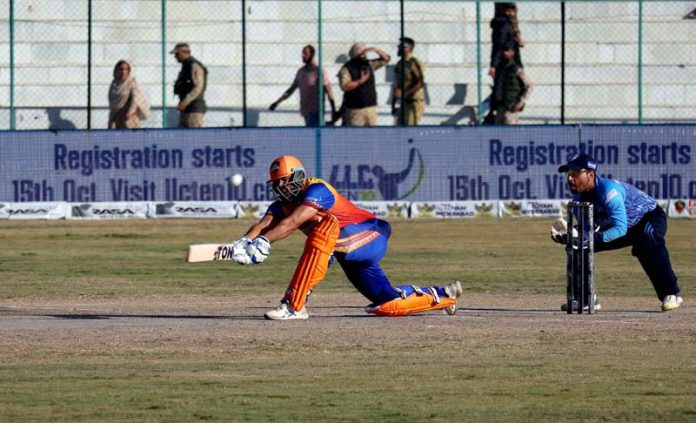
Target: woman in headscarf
127,104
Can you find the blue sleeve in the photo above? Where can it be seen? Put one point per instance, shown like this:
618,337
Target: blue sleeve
319,196
614,200
276,209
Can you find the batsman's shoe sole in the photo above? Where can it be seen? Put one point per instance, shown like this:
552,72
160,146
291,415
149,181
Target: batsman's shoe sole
671,302
285,312
451,310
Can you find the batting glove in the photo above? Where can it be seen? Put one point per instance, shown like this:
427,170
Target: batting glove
258,249
239,252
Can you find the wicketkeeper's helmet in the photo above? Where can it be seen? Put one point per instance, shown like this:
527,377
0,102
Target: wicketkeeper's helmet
287,177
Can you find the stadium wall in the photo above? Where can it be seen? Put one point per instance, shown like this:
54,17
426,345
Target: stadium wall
601,64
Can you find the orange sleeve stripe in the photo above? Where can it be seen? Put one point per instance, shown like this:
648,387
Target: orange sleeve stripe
353,242
312,205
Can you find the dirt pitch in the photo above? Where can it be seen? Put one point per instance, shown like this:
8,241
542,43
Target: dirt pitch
503,315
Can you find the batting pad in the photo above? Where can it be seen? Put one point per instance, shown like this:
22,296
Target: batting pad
414,303
314,262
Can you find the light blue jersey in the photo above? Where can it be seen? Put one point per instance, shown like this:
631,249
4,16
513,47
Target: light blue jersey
619,204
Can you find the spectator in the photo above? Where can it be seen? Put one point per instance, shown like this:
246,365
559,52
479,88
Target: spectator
127,104
510,89
413,98
516,26
505,31
357,81
306,81
190,86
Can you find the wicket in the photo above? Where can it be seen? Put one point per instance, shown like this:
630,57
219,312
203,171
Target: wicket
580,250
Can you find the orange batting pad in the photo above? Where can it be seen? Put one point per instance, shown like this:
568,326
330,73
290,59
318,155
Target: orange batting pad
314,261
414,303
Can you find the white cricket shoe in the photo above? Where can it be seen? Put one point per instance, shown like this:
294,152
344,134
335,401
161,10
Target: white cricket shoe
597,305
286,312
671,302
453,290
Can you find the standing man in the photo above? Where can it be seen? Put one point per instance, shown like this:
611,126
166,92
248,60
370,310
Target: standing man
190,86
413,82
306,80
357,80
626,217
504,31
510,89
334,227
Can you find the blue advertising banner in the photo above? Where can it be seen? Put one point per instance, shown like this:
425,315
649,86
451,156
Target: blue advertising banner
449,163
658,160
366,164
157,165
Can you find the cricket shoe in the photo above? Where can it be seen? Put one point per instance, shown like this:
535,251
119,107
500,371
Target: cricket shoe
671,302
371,308
285,312
453,290
597,306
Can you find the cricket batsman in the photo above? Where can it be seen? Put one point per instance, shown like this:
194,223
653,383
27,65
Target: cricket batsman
334,227
626,217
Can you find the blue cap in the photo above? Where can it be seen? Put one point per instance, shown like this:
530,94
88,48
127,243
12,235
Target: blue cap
579,162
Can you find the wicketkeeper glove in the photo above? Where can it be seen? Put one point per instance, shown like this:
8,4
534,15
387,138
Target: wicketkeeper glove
559,231
258,249
560,238
239,252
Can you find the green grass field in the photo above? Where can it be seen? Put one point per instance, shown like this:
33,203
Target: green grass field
104,321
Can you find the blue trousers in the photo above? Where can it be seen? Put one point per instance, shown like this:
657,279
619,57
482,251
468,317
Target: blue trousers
361,265
647,239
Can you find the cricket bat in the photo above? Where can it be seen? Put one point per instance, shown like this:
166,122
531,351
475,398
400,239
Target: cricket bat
209,252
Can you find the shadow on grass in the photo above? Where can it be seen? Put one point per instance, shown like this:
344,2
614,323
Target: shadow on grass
145,316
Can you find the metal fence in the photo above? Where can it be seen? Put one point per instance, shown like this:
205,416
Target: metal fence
590,62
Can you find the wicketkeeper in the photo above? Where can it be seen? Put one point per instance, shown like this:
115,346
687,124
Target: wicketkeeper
626,217
334,227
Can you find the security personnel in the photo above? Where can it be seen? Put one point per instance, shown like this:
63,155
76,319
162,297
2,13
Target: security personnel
511,88
413,85
190,86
